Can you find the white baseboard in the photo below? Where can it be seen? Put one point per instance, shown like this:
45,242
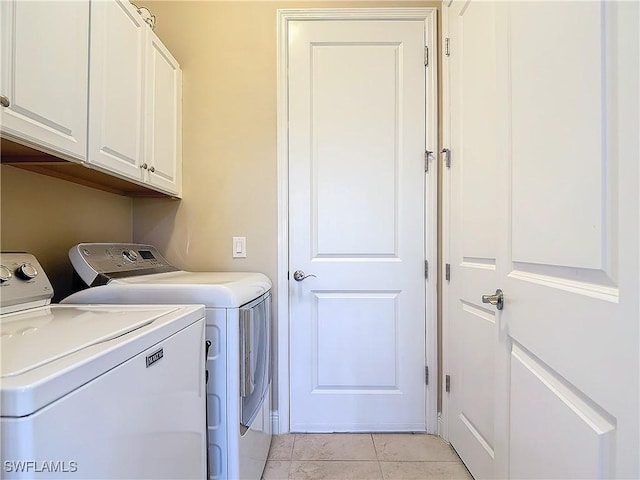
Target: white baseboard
275,423
442,432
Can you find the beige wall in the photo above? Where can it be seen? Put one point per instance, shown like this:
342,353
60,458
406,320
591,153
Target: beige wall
229,168
227,51
46,216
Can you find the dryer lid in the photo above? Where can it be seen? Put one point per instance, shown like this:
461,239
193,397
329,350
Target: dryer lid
37,337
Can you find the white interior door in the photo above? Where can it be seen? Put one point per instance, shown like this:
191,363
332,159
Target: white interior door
554,390
475,196
356,219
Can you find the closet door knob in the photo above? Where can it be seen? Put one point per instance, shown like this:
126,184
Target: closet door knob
4,101
497,299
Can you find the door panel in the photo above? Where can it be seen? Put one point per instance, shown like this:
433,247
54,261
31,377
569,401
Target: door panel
562,358
356,150
338,322
475,155
583,435
473,251
368,222
573,322
565,96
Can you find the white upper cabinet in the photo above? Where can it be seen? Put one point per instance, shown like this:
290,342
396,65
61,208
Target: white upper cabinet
134,99
116,93
163,117
88,81
44,75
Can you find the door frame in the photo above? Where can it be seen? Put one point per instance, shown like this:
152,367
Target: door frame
445,232
280,417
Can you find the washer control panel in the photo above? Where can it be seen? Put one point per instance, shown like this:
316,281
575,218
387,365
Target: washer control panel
23,283
97,263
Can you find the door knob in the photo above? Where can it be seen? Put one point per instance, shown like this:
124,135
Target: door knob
4,101
299,275
497,299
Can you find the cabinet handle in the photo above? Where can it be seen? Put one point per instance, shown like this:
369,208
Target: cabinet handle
152,169
4,101
144,165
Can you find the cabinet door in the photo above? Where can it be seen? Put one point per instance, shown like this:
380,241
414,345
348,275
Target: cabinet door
163,118
116,92
45,74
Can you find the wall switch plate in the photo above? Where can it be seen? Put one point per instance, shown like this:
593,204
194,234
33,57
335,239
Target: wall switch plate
239,247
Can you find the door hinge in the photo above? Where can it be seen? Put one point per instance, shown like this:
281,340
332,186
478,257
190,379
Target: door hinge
426,269
447,272
427,156
447,383
447,52
426,56
447,157
426,375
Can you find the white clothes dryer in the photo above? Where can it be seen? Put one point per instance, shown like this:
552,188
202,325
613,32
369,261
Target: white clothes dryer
97,391
238,326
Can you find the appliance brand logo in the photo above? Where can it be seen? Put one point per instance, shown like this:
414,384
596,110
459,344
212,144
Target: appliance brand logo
154,357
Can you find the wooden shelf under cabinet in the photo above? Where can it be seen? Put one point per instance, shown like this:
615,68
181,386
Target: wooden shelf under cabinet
27,158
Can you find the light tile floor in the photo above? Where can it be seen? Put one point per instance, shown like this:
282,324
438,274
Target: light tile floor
357,456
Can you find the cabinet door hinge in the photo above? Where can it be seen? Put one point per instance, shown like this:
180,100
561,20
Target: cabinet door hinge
427,157
426,375
447,51
426,269
426,56
447,383
447,272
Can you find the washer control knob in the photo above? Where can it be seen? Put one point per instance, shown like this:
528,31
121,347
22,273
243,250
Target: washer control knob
5,274
130,255
26,271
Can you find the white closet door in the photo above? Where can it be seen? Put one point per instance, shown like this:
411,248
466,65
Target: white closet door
356,150
555,374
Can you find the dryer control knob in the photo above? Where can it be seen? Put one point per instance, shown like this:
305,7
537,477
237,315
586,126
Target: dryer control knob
26,271
130,255
5,274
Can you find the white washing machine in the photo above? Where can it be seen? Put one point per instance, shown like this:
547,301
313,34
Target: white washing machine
97,391
238,325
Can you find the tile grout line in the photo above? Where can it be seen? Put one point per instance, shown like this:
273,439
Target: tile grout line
293,446
375,449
